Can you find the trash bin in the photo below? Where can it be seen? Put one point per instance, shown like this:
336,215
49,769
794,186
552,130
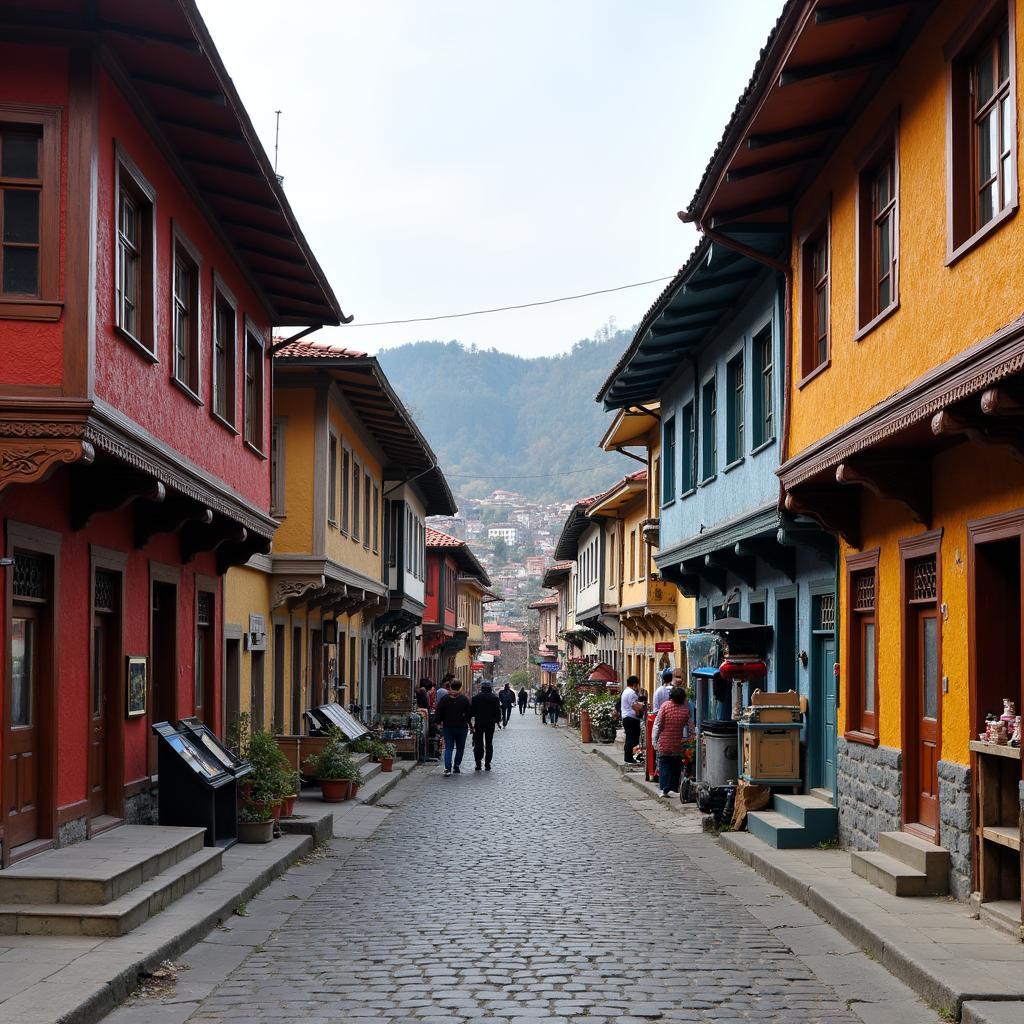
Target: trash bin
720,751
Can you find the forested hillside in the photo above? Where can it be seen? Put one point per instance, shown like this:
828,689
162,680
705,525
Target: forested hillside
497,420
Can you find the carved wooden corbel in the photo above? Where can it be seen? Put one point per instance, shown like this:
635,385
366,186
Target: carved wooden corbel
33,460
836,513
985,430
907,481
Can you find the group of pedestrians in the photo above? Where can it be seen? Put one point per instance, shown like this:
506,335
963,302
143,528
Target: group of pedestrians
550,700
673,725
456,717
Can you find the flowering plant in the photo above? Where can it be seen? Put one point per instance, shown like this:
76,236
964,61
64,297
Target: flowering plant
575,675
602,709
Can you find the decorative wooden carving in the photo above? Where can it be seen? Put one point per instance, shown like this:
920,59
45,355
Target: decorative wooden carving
979,429
741,567
835,512
906,480
167,516
711,574
108,489
238,550
30,461
197,537
289,589
998,401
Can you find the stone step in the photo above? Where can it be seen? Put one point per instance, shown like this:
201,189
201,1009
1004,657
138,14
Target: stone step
370,770
101,869
919,854
779,831
820,819
384,783
824,795
119,916
888,873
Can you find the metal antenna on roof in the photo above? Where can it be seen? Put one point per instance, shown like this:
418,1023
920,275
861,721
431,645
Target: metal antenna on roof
277,136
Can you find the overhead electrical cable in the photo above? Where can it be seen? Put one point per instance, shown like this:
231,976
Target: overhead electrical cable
504,309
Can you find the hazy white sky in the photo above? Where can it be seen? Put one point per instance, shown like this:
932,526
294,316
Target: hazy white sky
448,155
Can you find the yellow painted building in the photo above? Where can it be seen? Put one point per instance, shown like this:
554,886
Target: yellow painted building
300,623
906,343
473,594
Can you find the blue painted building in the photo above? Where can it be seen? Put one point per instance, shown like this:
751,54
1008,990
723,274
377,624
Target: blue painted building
712,352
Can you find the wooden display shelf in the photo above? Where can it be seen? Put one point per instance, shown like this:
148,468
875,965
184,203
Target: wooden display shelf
995,749
1004,835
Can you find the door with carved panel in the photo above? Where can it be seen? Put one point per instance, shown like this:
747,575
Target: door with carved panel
21,774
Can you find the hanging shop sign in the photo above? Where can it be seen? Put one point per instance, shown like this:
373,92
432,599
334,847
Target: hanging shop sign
551,666
477,666
664,647
396,696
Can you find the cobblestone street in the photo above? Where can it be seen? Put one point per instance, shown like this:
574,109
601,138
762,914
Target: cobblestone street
546,890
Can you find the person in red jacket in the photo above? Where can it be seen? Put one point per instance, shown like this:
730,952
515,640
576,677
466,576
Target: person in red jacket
671,730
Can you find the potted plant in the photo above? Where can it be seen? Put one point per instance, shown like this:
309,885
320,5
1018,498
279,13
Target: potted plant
601,709
255,823
294,785
386,755
334,769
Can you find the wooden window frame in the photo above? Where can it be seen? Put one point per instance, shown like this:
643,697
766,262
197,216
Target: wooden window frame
861,726
709,429
346,494
884,148
256,415
130,180
668,462
182,249
46,305
735,412
367,526
810,286
376,518
762,381
278,473
223,299
963,231
688,439
333,458
357,477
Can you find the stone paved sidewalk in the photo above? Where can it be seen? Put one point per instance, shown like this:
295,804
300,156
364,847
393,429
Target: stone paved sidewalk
547,890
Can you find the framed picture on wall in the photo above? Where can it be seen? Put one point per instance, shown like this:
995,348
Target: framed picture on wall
137,682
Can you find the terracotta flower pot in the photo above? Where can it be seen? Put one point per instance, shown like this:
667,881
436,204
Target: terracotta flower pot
256,831
387,764
334,791
288,805
354,791
585,733
276,808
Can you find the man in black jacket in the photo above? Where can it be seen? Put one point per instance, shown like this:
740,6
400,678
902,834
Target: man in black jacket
486,715
507,697
453,714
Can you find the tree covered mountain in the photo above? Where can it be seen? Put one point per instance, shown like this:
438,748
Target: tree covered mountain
499,420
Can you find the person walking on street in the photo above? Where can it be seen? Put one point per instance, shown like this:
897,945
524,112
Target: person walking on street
553,699
453,716
662,692
671,730
422,694
442,690
507,697
629,710
524,699
540,700
487,711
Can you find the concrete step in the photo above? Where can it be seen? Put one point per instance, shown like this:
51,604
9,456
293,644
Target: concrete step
889,874
119,916
777,830
820,819
919,854
824,795
370,770
99,870
383,783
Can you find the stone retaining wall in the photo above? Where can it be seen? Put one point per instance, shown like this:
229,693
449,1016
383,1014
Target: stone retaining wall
869,783
955,825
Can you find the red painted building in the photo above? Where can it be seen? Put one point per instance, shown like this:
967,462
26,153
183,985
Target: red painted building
147,252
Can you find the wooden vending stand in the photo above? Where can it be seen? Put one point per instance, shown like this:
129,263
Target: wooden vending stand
998,831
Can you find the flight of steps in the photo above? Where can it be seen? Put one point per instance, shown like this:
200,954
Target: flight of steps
796,822
105,886
904,865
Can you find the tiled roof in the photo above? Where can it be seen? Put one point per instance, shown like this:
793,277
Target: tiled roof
493,627
513,638
545,602
494,654
315,350
437,539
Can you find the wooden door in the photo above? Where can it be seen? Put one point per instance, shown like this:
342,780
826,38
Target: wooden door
163,662
21,729
926,747
102,667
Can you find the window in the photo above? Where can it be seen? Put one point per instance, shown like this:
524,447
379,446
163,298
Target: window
356,477
689,474
136,255
185,315
734,409
632,556
366,510
709,426
277,477
668,461
204,651
29,205
253,396
223,361
376,518
983,121
332,480
611,560
862,571
815,306
763,383
346,475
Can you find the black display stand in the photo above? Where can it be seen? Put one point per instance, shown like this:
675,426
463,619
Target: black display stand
196,788
203,736
333,716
